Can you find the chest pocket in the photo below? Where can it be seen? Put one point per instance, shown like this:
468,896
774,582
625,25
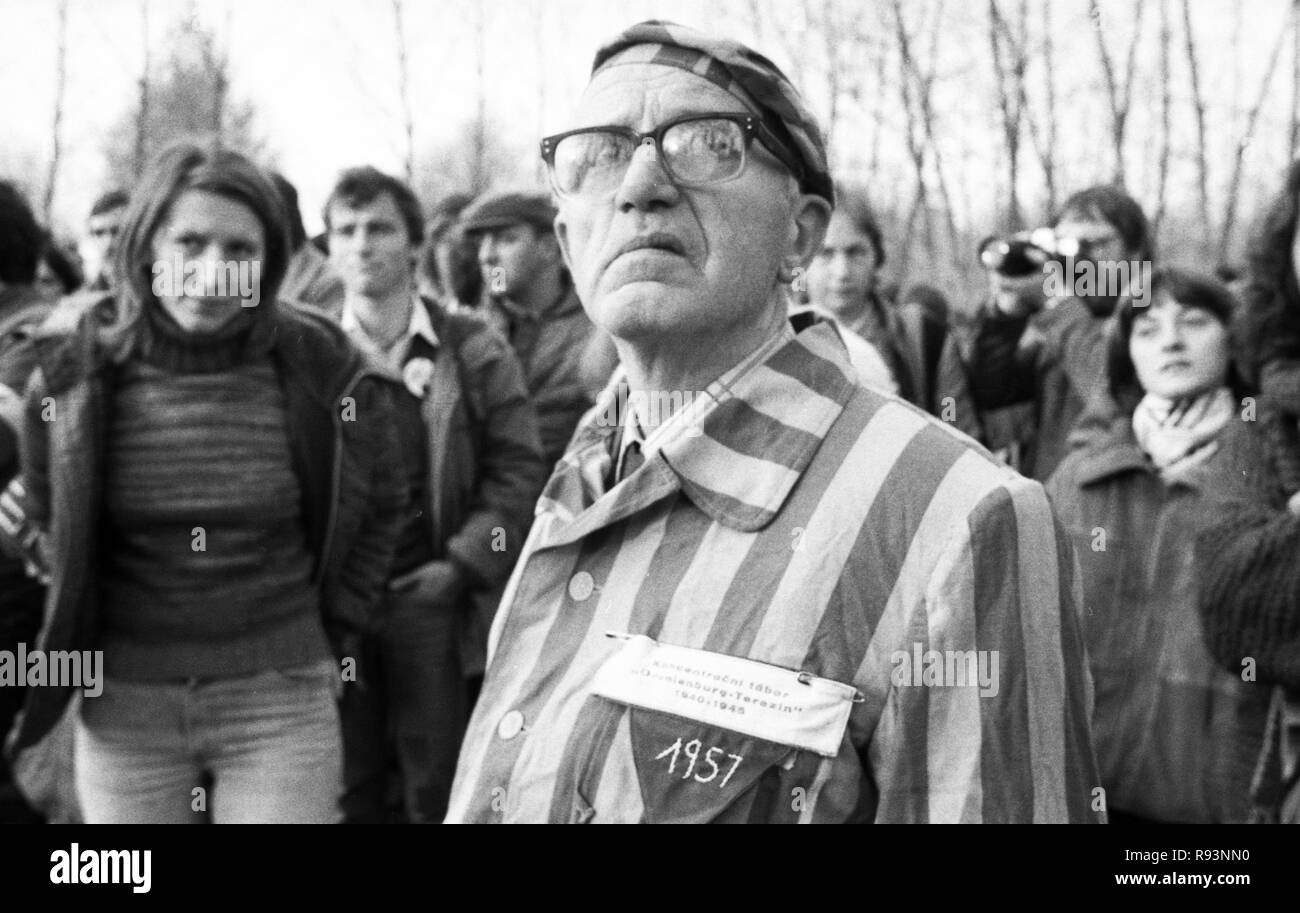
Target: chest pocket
694,773
715,738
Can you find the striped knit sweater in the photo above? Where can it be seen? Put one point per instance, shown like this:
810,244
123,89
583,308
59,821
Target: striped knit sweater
205,568
809,524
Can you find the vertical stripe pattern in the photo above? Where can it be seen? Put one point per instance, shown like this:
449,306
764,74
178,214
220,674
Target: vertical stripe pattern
819,526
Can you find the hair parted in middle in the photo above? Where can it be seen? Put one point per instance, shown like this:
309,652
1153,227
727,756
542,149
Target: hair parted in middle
853,203
1191,290
183,167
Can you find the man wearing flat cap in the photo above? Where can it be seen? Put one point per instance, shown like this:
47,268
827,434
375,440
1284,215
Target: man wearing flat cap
533,303
764,592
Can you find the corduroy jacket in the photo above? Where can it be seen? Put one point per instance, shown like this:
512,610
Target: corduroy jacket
342,433
1177,738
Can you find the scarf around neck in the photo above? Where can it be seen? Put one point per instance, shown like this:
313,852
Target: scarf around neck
1178,434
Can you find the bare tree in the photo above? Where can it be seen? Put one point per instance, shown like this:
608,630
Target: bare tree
1293,136
188,97
539,27
1199,109
1045,139
142,119
481,177
1013,46
1009,75
923,146
870,52
915,143
404,91
217,60
832,37
878,108
60,86
1246,135
1119,94
1166,111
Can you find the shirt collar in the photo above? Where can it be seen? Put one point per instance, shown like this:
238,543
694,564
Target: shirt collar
420,325
635,424
736,451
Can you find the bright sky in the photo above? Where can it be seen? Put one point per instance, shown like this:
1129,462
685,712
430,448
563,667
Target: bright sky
322,75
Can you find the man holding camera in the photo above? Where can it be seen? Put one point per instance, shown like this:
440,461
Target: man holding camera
1036,346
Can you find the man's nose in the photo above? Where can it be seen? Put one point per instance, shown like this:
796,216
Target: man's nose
646,183
487,250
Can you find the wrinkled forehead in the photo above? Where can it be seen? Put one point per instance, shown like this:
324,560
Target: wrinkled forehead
644,95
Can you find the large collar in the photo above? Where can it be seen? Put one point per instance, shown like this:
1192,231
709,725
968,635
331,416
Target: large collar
419,327
1113,451
746,445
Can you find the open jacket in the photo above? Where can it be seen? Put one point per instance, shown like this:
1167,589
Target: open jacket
794,535
340,414
925,360
22,309
1177,738
486,466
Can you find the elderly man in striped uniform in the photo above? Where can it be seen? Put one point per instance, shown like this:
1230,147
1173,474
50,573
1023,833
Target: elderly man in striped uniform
756,590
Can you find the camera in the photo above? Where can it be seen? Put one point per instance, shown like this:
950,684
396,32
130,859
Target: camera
1026,253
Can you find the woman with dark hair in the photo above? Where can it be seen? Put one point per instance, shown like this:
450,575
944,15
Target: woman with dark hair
1164,453
217,506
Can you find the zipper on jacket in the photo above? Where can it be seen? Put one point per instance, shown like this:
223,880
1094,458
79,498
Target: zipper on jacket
336,477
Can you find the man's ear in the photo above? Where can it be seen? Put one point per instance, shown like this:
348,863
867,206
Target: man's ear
812,217
562,241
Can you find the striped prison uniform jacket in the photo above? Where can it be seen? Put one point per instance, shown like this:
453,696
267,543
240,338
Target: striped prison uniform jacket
813,524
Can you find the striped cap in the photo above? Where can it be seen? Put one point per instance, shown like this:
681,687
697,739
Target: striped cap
742,72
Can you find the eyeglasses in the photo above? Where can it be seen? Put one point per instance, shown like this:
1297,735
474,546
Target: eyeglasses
695,151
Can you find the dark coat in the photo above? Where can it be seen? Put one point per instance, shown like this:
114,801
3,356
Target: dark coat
1176,737
486,465
340,413
1054,360
1250,607
924,358
22,309
550,346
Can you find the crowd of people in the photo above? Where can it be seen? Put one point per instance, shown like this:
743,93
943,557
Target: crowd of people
643,499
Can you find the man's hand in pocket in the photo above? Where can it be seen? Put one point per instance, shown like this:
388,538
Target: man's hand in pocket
437,583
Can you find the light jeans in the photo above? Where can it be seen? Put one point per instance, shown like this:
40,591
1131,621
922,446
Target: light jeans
262,748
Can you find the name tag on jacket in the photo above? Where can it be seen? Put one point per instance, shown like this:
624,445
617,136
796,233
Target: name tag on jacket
754,698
